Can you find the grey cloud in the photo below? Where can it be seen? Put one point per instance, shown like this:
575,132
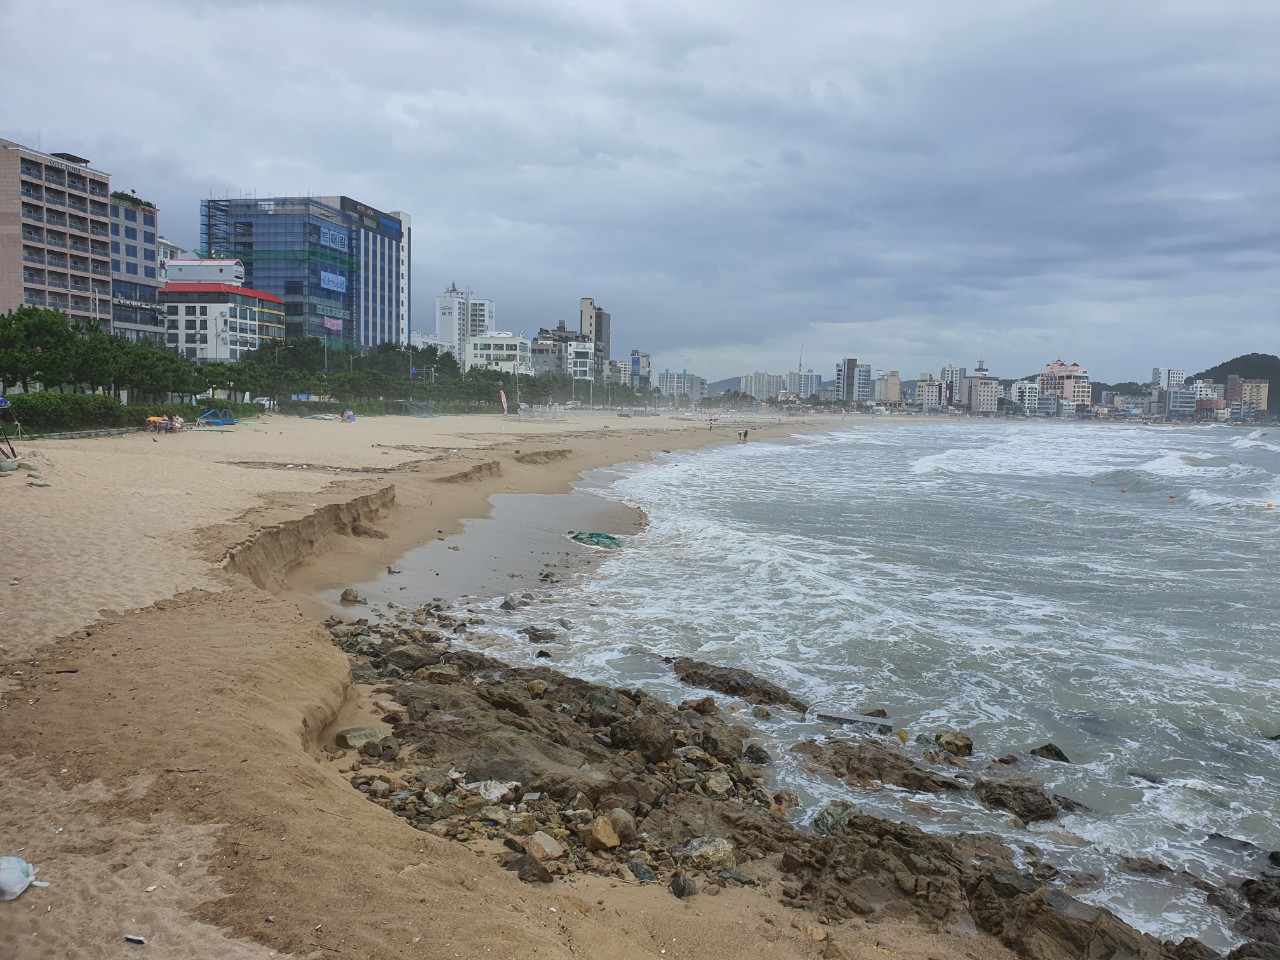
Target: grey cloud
886,179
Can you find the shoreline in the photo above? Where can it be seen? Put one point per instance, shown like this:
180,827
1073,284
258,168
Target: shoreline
182,744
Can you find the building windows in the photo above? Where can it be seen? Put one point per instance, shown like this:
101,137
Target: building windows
115,246
115,229
149,272
131,233
131,269
115,210
115,266
149,256
130,250
204,311
190,311
148,236
149,220
172,309
131,214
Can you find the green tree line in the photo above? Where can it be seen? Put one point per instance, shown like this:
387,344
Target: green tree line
42,348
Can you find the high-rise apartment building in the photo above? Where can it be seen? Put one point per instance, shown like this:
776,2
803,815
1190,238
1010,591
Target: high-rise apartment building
596,323
1166,378
135,269
54,234
681,384
339,265
951,375
461,317
802,385
846,379
762,386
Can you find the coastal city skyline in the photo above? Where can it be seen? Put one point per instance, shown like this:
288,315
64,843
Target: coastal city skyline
1030,188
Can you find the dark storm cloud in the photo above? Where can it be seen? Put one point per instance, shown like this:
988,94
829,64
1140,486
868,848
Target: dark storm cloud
909,182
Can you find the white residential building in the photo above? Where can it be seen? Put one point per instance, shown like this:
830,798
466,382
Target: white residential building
762,386
1027,393
802,385
461,316
1166,378
504,352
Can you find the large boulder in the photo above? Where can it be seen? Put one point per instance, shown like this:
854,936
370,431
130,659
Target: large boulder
1050,751
1025,800
736,683
956,743
649,736
867,761
711,854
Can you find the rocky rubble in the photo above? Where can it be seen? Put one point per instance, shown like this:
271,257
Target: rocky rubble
554,775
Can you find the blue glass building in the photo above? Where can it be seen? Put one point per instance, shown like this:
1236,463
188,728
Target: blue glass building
340,266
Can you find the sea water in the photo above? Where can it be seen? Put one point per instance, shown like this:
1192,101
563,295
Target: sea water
1112,589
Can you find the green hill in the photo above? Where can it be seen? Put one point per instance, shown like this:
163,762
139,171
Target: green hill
1251,366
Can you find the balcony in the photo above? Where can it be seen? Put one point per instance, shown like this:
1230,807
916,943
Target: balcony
97,209
58,301
100,271
98,231
55,176
101,289
32,193
97,188
55,218
77,204
55,241
33,256
78,245
99,249
78,224
32,299
33,276
31,213
55,198
58,261
32,236
59,282
76,183
32,170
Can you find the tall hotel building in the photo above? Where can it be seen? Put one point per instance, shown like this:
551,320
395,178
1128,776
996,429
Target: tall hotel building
54,234
135,269
340,266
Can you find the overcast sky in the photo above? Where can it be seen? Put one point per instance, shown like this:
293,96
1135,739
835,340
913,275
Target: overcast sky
910,183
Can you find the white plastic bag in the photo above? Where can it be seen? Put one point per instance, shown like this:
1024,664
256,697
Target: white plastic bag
15,876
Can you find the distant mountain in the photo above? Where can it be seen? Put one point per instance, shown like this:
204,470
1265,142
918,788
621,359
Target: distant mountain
720,386
1251,366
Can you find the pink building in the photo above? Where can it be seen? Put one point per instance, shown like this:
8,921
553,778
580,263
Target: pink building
1070,381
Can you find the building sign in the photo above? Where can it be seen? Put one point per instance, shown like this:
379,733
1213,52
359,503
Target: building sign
334,238
332,323
325,311
332,281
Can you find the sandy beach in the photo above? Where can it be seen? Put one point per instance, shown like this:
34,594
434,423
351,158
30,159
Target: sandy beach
167,693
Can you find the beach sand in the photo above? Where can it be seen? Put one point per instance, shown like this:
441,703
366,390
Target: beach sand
166,692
